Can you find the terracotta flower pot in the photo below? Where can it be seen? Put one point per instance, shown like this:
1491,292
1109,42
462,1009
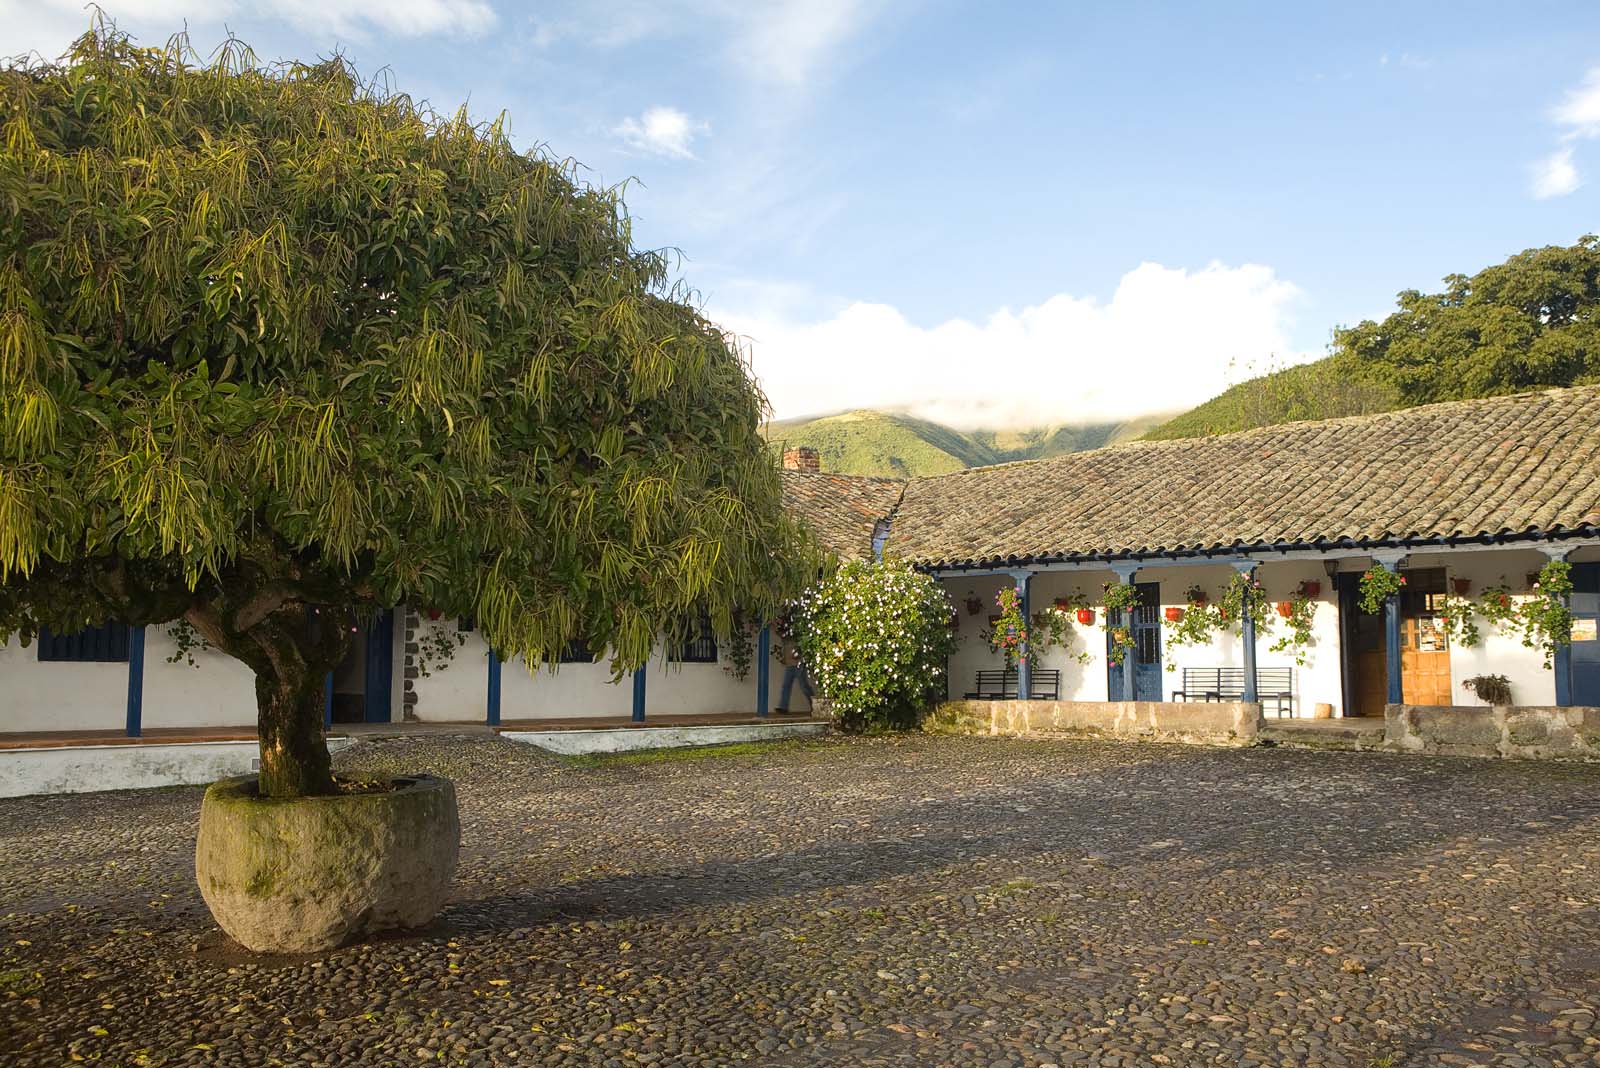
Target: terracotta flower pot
1063,604
1173,613
1086,616
1461,586
1311,588
1285,608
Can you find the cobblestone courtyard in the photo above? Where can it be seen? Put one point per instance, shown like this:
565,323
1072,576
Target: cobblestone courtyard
919,901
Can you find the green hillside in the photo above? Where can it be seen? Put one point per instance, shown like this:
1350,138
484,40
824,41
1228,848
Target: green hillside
903,446
1532,322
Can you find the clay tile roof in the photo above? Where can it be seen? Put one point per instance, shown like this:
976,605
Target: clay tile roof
1522,464
841,510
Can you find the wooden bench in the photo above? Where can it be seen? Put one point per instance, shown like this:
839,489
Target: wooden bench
998,685
1274,686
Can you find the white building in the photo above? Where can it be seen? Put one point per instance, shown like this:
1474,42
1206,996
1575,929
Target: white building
1460,498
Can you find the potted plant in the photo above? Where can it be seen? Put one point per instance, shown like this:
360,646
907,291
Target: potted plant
974,603
1285,608
1310,588
1086,616
1173,613
1195,595
1462,586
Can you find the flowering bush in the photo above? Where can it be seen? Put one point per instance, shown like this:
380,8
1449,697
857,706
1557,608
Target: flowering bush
1009,634
874,638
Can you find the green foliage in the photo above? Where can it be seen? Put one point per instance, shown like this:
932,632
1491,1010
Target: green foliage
1244,591
1378,584
1118,599
1008,635
874,637
1528,323
1490,689
1277,393
271,337
437,643
1194,627
894,445
1302,614
186,642
1546,619
1456,616
738,647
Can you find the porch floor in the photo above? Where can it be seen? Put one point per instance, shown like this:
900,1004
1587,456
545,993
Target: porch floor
182,735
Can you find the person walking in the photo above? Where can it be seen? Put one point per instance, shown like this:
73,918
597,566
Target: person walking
793,671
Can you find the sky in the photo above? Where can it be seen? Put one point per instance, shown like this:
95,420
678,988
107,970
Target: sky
1005,214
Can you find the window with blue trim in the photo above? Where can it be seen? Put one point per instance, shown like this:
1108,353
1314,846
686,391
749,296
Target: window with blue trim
105,644
577,652
700,647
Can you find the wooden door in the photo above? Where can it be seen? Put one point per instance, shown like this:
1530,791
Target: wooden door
1424,647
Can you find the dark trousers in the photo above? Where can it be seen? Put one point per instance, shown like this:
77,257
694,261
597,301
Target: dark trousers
791,674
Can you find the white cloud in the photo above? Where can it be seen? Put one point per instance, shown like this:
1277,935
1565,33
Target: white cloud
1166,341
662,132
1578,115
790,41
1580,111
1555,175
47,26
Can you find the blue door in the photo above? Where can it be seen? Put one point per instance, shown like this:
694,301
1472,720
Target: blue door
1146,653
1583,656
379,668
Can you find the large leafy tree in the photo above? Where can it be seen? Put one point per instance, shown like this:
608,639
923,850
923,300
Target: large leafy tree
1527,323
278,347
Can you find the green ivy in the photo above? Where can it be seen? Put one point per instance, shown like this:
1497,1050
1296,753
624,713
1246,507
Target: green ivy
1546,619
1008,635
1456,616
1378,584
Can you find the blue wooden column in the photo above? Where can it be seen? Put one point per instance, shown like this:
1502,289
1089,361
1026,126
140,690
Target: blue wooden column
493,711
1391,636
638,694
1247,633
1024,581
763,668
1562,662
135,725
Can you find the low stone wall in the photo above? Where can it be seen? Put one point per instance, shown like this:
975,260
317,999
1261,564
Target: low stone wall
1527,732
1202,722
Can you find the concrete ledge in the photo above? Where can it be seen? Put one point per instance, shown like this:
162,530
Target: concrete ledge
82,769
623,739
1519,732
1199,722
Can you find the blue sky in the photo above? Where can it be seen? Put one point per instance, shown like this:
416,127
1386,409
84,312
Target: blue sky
1015,213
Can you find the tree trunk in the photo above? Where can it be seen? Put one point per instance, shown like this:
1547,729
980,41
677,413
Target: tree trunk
294,756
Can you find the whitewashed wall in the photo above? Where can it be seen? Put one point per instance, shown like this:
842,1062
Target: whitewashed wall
1501,652
218,691
59,697
458,692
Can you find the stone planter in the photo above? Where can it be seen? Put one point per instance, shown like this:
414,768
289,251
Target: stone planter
307,874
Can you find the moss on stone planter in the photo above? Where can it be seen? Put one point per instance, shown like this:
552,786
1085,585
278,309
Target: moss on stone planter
300,875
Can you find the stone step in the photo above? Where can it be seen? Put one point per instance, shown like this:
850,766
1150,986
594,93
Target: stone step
1353,733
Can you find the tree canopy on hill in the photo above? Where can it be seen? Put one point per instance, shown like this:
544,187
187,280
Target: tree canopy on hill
1527,323
278,347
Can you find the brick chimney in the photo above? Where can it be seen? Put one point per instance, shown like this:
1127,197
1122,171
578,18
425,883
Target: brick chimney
801,458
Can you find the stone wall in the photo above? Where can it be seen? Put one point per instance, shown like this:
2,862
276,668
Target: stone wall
1528,732
1202,722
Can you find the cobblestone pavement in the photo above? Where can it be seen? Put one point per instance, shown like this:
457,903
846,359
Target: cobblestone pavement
917,901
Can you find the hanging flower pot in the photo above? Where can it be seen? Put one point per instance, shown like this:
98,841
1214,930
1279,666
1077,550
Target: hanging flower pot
434,613
1195,596
1086,616
1063,604
974,604
1311,587
1285,608
1173,613
1462,586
